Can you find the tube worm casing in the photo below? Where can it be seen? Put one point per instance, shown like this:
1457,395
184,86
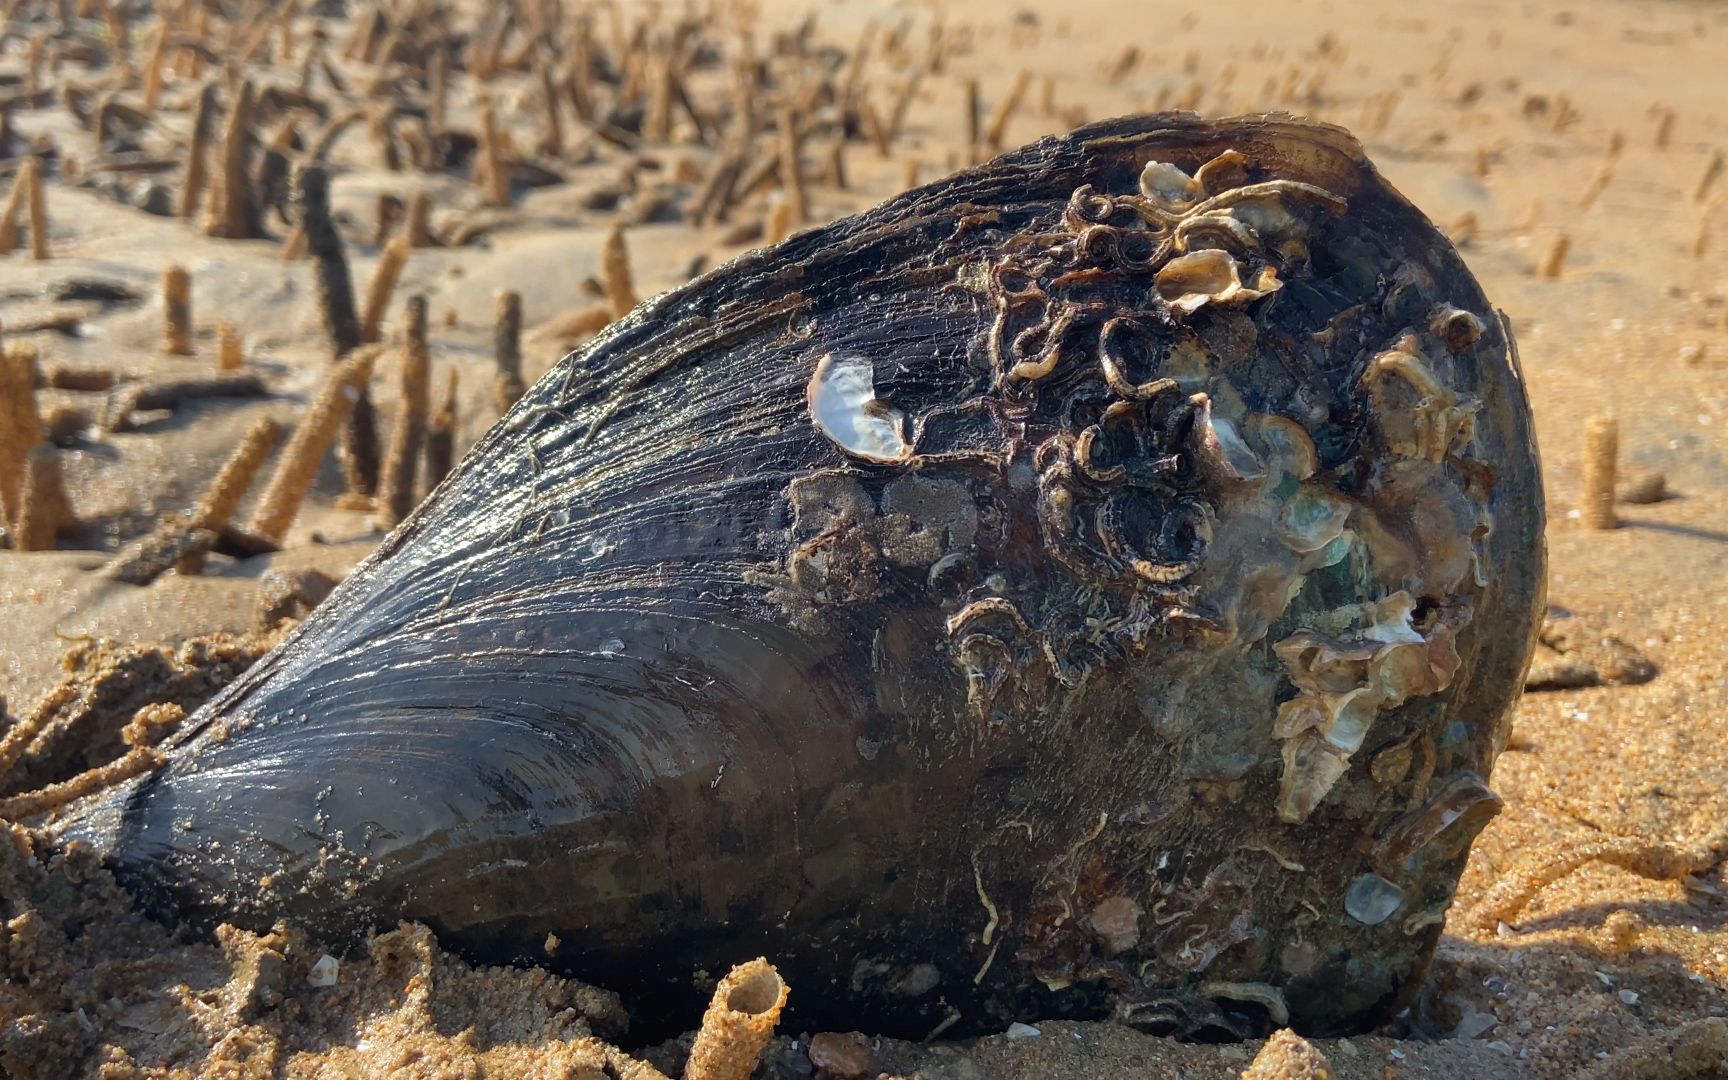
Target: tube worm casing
507,348
1601,453
441,437
230,351
738,1024
311,440
30,175
20,426
203,119
401,458
615,278
177,311
383,285
222,498
44,510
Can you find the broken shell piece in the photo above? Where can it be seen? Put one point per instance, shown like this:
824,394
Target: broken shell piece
1189,282
845,408
1168,187
1222,453
1371,899
1392,764
324,972
1439,828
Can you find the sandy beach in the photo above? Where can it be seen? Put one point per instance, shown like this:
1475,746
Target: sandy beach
1574,152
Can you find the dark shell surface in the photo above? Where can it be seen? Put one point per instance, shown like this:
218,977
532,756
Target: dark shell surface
1093,583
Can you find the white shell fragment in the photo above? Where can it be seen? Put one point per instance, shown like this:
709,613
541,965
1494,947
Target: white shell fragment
1371,899
844,407
323,973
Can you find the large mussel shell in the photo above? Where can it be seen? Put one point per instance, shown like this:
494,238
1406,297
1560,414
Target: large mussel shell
1096,580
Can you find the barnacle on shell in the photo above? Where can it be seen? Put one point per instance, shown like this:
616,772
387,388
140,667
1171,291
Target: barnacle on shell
1210,276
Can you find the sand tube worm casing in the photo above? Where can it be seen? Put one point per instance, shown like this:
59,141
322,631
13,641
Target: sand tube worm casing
1095,581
